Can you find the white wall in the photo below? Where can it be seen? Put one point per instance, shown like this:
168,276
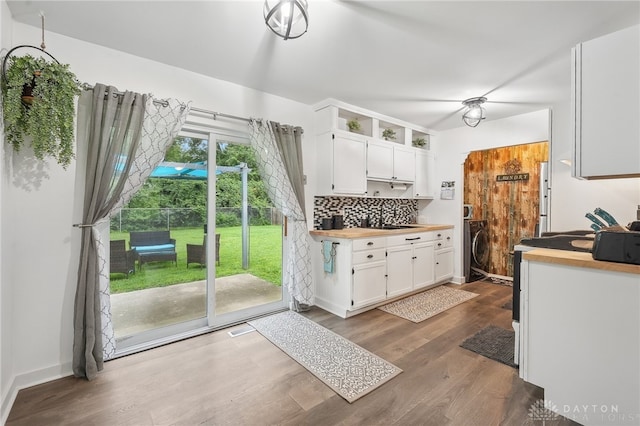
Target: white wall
6,365
570,198
41,201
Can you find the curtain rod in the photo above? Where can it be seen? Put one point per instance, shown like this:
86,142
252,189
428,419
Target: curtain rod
87,86
164,103
220,114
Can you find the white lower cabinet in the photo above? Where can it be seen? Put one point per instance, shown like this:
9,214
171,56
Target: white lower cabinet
399,270
368,271
369,284
410,263
444,264
444,255
423,267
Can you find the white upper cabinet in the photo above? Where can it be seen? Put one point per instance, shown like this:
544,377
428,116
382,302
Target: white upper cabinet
379,160
390,162
606,106
341,163
424,186
349,165
354,146
404,164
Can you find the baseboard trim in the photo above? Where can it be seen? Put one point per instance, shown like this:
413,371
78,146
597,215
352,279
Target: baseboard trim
27,380
458,280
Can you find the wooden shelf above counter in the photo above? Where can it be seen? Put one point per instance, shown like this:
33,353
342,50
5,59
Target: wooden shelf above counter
578,259
351,233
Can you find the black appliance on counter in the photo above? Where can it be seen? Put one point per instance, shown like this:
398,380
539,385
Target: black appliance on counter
617,246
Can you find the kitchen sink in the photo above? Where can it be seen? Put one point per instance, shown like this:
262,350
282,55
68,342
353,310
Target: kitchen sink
392,227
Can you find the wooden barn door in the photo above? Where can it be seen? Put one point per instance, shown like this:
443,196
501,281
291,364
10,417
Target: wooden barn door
502,186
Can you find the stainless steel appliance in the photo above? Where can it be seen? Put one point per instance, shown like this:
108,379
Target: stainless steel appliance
467,211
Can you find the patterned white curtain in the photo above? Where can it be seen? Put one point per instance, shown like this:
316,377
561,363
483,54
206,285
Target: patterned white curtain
297,270
162,121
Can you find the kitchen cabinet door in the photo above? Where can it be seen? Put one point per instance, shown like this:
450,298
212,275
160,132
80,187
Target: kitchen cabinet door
423,265
369,284
444,264
349,165
404,163
424,186
399,270
606,105
379,160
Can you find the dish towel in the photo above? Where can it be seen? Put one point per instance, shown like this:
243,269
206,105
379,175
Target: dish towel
328,255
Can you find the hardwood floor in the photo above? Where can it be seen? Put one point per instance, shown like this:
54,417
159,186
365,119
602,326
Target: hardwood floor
218,380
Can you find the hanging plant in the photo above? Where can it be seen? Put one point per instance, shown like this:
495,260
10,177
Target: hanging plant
48,117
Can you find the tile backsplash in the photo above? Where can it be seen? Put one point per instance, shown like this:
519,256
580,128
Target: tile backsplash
393,210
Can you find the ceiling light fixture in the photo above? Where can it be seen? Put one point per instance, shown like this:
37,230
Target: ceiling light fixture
474,113
287,18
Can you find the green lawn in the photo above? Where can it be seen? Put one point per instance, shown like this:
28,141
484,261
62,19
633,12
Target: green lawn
265,258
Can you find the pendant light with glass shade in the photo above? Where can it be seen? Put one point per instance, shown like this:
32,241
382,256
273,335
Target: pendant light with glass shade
474,113
287,18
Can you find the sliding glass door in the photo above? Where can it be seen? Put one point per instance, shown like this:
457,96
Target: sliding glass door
247,279
201,244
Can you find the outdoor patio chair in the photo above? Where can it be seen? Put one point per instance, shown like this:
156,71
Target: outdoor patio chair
197,253
121,260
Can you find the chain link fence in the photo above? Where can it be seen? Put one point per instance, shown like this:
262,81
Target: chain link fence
145,219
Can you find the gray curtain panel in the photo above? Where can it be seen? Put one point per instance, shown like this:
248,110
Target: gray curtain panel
111,128
289,142
275,174
163,119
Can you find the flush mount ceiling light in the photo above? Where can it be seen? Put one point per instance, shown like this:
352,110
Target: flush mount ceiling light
474,112
287,18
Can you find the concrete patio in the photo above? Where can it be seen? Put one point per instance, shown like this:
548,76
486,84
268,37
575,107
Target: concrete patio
142,310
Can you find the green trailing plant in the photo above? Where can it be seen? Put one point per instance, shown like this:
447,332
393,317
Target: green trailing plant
353,125
419,142
389,134
48,118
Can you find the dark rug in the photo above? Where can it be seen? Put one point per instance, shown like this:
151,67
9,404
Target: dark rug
508,305
495,343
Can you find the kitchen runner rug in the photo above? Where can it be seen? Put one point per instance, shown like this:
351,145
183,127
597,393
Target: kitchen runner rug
493,342
350,370
424,305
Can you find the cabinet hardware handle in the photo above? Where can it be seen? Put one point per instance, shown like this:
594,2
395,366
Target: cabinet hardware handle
370,243
412,239
439,235
370,256
448,238
414,257
439,244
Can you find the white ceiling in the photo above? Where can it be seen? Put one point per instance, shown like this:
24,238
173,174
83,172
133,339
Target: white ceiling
414,60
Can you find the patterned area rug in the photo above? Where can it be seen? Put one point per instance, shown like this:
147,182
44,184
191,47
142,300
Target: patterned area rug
345,367
493,342
424,305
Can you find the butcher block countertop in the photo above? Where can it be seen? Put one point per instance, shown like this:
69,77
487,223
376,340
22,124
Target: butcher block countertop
579,259
351,233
